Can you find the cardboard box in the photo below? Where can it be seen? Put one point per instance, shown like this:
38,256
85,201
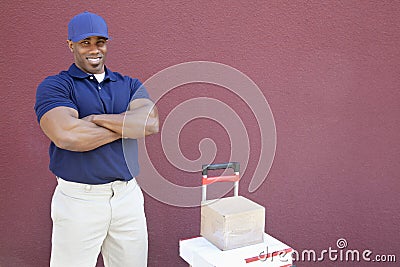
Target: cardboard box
232,222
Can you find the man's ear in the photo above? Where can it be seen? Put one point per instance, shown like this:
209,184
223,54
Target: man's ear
70,45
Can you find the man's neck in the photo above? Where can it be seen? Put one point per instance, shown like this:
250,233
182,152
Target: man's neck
99,76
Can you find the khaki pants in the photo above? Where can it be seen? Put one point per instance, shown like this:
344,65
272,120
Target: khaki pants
88,219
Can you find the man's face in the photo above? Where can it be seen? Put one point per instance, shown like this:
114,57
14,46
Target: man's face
90,54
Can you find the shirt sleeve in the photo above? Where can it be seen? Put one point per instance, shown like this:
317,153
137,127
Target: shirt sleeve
52,92
138,90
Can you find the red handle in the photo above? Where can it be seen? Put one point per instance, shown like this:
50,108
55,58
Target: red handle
228,178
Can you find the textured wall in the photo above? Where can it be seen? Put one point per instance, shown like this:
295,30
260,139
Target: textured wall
330,73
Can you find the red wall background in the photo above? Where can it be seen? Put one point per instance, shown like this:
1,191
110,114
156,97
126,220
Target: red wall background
330,72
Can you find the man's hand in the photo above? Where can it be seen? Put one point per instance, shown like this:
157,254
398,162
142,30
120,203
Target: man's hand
88,118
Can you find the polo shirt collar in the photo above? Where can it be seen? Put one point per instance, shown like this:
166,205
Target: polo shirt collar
76,72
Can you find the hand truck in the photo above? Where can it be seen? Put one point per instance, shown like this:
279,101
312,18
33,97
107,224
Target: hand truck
227,178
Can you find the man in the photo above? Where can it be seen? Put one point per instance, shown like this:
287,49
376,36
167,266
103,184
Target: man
97,205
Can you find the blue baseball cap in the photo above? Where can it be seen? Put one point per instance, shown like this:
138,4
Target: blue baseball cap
85,25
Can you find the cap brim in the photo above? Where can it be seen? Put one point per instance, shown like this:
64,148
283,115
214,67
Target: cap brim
86,35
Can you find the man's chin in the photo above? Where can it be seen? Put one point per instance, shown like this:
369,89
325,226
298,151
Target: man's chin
94,69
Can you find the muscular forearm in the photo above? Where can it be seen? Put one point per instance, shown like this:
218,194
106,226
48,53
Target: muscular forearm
88,137
135,123
67,131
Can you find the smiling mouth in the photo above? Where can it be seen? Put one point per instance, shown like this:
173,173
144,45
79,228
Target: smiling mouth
94,60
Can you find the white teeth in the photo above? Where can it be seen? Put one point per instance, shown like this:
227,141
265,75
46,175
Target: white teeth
94,60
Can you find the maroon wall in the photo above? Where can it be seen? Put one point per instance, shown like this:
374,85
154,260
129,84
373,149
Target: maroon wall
330,73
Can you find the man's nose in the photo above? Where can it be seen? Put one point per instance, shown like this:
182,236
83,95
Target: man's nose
94,48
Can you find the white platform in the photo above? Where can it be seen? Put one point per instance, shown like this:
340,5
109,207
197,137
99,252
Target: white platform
199,252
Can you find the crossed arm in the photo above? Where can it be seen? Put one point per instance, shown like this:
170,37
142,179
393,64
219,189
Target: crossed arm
63,126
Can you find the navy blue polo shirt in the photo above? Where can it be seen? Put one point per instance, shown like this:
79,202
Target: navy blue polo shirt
81,91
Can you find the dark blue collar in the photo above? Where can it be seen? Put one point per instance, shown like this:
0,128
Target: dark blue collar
76,72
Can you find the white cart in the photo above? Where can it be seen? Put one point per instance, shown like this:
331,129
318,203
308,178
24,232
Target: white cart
199,252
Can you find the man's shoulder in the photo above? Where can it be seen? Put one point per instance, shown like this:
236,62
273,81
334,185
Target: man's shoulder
119,76
59,82
62,76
